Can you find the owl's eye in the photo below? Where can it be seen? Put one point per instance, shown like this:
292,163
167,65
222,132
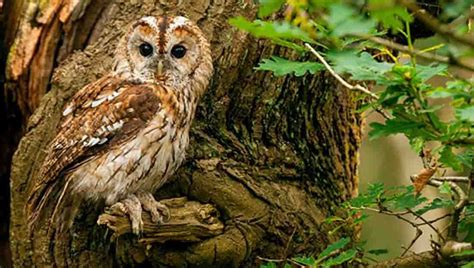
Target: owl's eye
145,49
178,51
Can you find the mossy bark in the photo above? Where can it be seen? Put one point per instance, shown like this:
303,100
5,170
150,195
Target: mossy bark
274,156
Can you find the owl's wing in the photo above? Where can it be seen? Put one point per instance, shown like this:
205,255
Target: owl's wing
102,115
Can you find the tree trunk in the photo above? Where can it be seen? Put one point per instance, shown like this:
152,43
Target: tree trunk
275,156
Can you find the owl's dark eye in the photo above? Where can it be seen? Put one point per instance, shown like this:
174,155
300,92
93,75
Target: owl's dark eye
178,51
145,49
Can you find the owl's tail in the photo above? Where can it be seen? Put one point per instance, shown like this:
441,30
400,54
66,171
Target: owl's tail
46,205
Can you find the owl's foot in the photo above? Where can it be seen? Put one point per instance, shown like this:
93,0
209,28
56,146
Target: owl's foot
133,208
158,211
133,204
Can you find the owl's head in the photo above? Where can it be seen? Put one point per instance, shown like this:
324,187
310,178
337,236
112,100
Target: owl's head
168,50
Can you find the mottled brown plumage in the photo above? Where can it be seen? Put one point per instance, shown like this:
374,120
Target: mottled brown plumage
122,136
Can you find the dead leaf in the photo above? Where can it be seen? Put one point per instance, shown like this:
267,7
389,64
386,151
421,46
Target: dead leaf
422,178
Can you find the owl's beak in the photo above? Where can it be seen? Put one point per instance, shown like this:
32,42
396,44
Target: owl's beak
160,69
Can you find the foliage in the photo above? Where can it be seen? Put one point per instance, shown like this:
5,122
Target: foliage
353,36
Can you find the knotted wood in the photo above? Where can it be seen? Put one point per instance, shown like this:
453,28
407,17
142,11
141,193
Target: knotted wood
189,221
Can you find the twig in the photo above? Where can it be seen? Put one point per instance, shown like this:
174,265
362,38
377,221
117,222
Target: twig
463,200
427,223
435,220
418,234
340,79
452,178
416,52
434,24
280,260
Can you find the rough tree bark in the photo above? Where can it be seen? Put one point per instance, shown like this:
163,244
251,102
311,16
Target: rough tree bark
274,156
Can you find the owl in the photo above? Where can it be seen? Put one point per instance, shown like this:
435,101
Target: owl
122,136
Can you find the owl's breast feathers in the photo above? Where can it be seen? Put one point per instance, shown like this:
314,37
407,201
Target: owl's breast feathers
101,117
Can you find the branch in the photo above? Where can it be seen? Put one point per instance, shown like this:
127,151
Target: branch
424,259
340,79
190,221
463,200
416,52
434,24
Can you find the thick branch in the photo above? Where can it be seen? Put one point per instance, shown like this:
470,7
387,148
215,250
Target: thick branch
190,221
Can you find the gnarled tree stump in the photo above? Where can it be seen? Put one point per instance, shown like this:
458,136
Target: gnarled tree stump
275,156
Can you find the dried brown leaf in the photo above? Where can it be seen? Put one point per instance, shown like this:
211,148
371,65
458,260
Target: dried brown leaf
422,178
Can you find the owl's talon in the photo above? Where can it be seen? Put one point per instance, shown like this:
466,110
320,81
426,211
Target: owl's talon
133,208
159,212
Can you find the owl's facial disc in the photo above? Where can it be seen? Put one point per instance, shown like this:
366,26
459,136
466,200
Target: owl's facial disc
163,48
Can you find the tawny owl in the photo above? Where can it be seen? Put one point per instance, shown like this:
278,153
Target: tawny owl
122,136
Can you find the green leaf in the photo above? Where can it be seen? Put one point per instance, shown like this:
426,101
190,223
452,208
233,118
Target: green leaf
407,199
464,253
344,21
393,126
373,194
453,9
466,224
280,66
425,72
389,14
268,265
468,265
466,113
467,158
360,219
341,243
267,7
377,252
360,65
305,260
341,258
445,188
448,158
271,29
417,144
435,204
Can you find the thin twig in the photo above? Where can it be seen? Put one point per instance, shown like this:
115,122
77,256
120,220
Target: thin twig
418,234
281,260
416,52
452,178
340,79
435,220
427,223
434,24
